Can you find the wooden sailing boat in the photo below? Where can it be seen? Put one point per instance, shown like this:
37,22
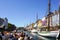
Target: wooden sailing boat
49,33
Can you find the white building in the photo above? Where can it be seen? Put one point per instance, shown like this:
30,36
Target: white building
3,22
55,19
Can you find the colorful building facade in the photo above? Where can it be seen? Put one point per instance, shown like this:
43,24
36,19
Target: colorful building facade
39,23
53,20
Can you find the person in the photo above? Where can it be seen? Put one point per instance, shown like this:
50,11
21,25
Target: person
22,35
11,37
0,37
15,37
26,37
3,36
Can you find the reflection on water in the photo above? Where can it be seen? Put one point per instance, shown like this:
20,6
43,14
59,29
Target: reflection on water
48,39
45,38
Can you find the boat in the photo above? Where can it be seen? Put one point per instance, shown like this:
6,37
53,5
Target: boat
53,34
34,32
50,33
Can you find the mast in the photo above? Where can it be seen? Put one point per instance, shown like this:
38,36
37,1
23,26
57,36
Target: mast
49,5
36,16
59,6
36,20
59,13
49,8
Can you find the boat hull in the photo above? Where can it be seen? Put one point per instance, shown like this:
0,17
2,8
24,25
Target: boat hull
49,34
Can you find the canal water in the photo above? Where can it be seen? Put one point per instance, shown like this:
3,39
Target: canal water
36,36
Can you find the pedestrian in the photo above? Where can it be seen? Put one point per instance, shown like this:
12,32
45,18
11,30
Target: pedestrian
0,37
10,37
21,36
26,37
3,36
15,37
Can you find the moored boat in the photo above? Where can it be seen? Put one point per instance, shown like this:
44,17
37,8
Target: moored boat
49,34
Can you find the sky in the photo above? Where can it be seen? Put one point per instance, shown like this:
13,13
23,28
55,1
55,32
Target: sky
23,12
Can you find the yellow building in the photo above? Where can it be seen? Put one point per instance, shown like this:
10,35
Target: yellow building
39,23
30,27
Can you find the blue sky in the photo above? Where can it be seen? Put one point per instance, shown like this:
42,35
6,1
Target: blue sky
23,12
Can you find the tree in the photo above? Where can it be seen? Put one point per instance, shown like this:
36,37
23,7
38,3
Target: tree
11,27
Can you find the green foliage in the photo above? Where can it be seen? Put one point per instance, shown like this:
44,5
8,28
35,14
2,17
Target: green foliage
11,27
9,24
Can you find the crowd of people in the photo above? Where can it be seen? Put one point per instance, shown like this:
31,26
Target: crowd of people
14,36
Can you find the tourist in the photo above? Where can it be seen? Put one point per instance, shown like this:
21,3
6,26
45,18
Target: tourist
0,37
26,37
22,35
